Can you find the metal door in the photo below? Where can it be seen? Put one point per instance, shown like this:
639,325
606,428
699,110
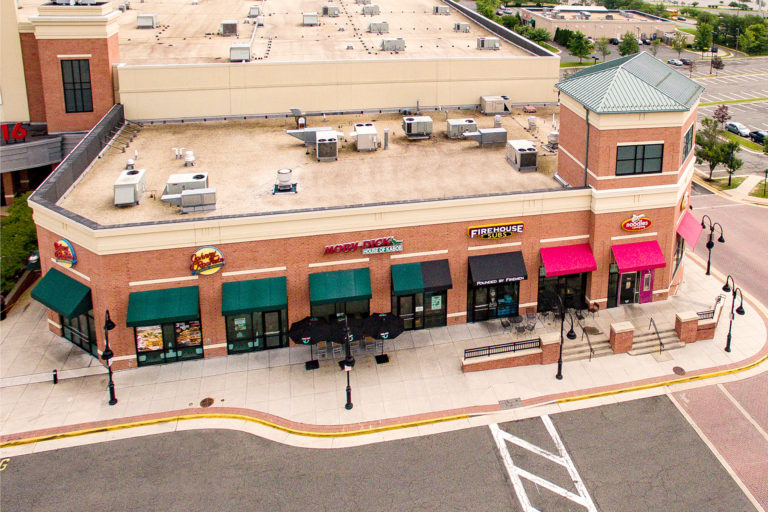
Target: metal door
272,329
646,286
628,288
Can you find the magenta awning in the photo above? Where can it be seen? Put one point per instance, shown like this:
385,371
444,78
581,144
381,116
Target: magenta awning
568,259
690,229
638,256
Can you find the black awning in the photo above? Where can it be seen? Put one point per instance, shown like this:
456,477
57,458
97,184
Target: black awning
425,276
436,275
506,267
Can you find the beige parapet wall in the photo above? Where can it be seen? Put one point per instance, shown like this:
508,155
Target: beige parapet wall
178,91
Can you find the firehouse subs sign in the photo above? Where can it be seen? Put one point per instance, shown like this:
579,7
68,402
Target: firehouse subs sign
373,246
494,231
638,222
64,253
206,261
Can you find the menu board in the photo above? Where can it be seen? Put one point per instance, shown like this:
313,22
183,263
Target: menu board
188,333
148,338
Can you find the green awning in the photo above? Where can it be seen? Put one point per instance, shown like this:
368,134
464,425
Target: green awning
253,295
406,279
339,286
64,295
163,306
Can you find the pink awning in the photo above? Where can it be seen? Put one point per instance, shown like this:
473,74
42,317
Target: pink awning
638,256
568,259
690,229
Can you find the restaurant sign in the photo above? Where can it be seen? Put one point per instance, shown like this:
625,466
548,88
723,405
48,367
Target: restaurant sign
206,261
494,231
64,253
373,246
638,222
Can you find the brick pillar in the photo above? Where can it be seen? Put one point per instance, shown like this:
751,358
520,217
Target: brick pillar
622,335
550,347
686,326
8,190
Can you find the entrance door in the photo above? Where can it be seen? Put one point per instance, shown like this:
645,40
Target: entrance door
628,287
646,286
272,329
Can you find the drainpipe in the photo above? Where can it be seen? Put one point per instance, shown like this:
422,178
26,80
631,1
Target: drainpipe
586,149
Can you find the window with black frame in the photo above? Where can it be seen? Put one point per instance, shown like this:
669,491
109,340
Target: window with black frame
679,252
168,342
353,308
76,77
639,159
687,143
257,330
81,331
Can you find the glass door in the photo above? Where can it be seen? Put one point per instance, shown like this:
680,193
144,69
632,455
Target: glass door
480,304
628,288
405,310
272,329
435,309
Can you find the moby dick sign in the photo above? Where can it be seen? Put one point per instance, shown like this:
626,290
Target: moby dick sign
372,246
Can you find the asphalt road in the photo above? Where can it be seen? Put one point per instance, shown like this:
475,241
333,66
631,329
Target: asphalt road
636,456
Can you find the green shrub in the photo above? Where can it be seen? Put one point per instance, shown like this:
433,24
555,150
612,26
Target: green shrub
18,239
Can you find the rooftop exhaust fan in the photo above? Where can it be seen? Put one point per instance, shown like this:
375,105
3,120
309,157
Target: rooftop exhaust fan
284,183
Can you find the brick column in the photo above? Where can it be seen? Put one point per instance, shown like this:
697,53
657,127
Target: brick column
686,326
550,347
8,190
622,335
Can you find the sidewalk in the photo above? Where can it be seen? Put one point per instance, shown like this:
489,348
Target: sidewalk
422,382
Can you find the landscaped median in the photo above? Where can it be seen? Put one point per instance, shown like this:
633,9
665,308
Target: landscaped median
746,100
754,146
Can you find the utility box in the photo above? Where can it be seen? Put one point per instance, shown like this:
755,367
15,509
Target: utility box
254,11
308,135
461,27
417,127
393,45
332,11
240,52
441,10
495,104
229,28
327,146
146,20
488,136
371,10
130,187
367,137
363,2
488,43
379,27
455,128
522,155
309,19
198,200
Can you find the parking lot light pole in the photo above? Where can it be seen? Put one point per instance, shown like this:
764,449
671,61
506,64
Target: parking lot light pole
739,310
107,355
710,242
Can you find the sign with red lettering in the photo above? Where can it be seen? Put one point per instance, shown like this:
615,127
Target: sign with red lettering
206,261
64,253
373,246
638,222
14,133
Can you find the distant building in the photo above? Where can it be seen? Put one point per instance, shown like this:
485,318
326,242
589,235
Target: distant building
596,21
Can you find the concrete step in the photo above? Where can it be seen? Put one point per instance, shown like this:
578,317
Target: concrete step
648,342
581,350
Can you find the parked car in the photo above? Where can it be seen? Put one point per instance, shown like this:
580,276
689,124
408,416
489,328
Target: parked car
681,18
639,42
686,62
675,62
737,128
758,136
647,41
529,109
509,10
613,40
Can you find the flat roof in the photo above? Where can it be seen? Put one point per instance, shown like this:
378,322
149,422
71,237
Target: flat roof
242,158
595,15
188,33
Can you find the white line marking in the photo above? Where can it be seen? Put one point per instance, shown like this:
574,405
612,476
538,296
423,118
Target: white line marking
522,443
583,492
743,412
511,470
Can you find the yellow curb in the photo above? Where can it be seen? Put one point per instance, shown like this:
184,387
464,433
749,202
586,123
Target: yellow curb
242,417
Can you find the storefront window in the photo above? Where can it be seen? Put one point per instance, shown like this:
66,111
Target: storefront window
258,330
81,330
421,310
679,252
495,301
569,287
353,308
613,285
169,342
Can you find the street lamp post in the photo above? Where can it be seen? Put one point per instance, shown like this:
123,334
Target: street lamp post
739,310
348,363
107,356
571,336
710,242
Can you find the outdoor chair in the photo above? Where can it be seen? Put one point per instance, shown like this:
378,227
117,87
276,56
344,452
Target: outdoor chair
337,352
322,350
531,318
520,328
368,344
531,325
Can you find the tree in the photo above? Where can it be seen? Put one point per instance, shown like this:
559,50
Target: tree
18,239
601,45
732,164
721,115
754,40
691,68
703,39
510,21
678,43
717,63
628,44
709,149
579,46
655,44
538,35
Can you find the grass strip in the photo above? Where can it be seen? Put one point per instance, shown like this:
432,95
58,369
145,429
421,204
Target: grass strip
760,190
747,100
754,146
722,183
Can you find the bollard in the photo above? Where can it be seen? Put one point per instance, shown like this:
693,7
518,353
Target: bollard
55,376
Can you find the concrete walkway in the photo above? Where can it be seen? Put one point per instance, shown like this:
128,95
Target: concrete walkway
271,394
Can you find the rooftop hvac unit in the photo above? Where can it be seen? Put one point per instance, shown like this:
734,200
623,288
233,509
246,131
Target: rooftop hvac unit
284,183
254,10
441,9
417,127
609,16
461,27
229,28
367,137
130,187
371,10
198,200
331,11
178,183
309,19
629,15
522,155
146,20
327,146
363,2
553,139
585,15
495,104
488,43
379,27
393,45
456,128
240,52
308,135
488,136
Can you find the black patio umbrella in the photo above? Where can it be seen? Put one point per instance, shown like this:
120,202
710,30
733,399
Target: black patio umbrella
383,326
310,331
339,327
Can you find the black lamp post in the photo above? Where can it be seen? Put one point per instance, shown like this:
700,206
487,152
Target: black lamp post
348,363
739,310
571,336
107,356
710,242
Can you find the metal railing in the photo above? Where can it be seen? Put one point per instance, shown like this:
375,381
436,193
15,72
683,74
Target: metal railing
589,342
502,348
710,313
658,336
